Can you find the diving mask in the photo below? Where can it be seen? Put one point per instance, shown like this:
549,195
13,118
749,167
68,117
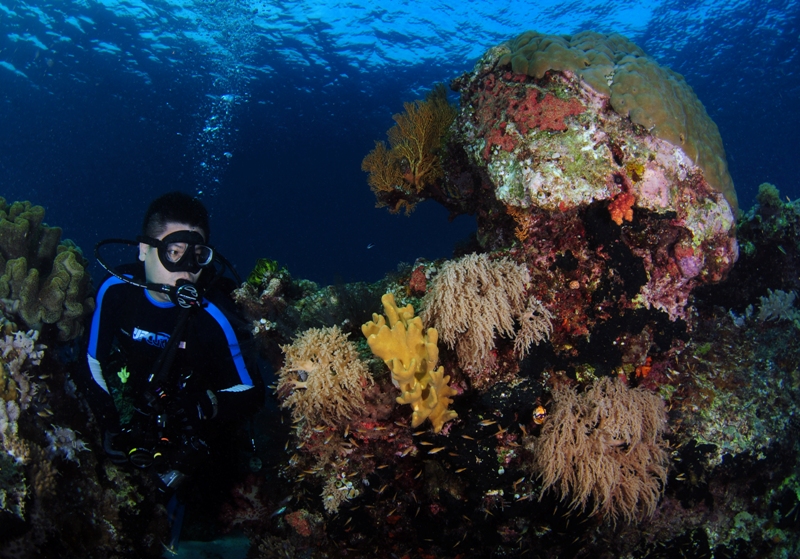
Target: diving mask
181,251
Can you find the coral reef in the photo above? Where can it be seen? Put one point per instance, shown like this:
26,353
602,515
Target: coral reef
400,175
370,485
601,304
411,355
58,497
277,306
42,281
624,389
600,173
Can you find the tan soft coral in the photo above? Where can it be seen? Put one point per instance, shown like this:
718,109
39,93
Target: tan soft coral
411,354
604,450
323,377
475,298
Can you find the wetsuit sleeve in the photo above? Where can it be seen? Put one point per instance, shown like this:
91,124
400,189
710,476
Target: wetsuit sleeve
98,351
237,381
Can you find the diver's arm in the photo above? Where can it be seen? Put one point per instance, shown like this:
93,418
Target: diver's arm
99,347
239,388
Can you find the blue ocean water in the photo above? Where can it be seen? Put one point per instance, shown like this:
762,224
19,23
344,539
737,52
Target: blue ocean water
265,109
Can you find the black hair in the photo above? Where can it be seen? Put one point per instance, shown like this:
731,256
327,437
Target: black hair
175,207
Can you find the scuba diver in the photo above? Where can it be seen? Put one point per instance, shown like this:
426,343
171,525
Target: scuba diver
166,374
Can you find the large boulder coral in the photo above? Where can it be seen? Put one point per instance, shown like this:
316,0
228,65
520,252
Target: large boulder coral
635,85
630,163
42,280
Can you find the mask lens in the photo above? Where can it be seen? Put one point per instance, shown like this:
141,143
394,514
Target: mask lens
203,254
175,251
181,251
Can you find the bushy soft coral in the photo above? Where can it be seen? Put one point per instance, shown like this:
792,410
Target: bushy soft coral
323,379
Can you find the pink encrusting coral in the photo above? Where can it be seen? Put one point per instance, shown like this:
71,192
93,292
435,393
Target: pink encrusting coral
526,109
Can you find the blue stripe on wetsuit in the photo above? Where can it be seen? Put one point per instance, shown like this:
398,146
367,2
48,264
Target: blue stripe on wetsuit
93,335
233,342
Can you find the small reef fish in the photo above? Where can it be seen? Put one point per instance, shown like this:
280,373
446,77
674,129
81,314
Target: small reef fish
282,506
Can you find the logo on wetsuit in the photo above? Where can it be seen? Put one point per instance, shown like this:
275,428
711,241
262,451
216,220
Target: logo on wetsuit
159,339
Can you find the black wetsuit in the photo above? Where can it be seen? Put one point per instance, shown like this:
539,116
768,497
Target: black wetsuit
128,334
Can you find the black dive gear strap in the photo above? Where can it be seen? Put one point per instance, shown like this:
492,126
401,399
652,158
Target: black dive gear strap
181,251
159,444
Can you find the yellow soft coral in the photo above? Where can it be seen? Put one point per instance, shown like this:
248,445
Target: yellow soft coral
411,355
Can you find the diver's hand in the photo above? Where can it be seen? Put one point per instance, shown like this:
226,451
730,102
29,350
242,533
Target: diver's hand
188,411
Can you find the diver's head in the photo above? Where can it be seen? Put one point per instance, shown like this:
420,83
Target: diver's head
175,207
172,245
178,253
